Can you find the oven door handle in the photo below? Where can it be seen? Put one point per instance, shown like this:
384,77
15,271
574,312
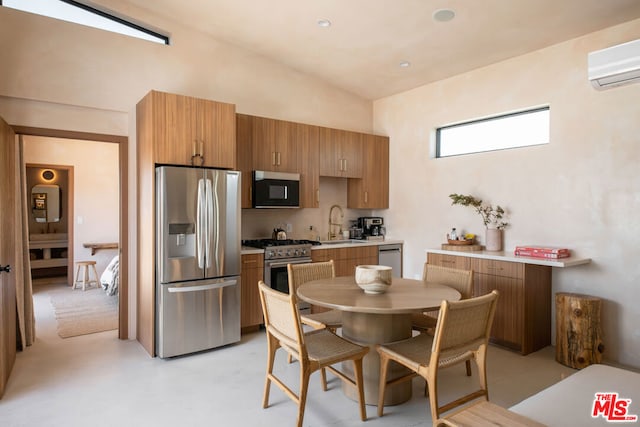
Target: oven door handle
278,264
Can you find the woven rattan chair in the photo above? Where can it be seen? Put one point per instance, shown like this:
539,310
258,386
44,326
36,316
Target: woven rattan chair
302,273
460,280
315,350
462,333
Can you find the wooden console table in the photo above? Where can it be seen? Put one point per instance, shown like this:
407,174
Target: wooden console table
523,316
97,246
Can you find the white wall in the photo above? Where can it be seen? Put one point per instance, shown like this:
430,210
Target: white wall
95,190
65,76
581,191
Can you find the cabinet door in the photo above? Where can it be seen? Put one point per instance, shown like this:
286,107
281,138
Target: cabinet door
173,138
264,144
215,127
244,138
508,323
250,306
330,152
340,153
351,156
306,137
274,147
372,191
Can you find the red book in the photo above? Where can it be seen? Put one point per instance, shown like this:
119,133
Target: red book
543,249
535,254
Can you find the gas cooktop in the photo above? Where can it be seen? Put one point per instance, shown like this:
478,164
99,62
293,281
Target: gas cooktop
265,243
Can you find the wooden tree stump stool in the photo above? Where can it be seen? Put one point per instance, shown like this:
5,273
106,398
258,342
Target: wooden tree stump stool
578,341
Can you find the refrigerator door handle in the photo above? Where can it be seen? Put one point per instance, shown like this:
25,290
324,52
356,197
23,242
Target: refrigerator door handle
203,287
200,223
209,221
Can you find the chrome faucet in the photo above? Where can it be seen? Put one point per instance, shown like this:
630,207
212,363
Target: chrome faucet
332,224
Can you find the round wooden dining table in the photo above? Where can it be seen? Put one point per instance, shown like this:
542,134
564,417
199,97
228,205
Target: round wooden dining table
370,319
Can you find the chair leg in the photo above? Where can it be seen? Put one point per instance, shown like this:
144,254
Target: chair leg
357,369
271,354
289,358
323,379
468,364
433,398
384,366
304,386
85,278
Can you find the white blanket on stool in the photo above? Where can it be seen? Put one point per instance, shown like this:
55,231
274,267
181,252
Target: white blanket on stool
110,278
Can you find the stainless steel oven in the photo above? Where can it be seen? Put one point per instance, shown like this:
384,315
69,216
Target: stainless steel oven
277,277
277,255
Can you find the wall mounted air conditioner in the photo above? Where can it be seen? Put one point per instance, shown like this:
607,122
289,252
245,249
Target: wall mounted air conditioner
615,66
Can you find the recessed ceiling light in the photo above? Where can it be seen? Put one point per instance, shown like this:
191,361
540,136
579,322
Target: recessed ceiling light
324,23
405,64
443,15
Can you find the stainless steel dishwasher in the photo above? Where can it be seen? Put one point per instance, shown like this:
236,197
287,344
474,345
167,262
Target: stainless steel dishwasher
391,255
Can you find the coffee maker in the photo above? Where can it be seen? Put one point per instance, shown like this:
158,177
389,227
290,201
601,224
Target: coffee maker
372,227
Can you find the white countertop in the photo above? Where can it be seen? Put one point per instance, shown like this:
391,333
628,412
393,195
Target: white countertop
245,250
509,256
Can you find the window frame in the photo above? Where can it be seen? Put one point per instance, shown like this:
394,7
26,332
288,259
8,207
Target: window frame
162,38
531,110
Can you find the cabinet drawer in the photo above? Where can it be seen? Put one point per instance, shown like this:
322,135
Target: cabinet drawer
499,268
451,261
253,261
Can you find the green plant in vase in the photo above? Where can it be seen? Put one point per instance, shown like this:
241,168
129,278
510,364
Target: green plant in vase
492,217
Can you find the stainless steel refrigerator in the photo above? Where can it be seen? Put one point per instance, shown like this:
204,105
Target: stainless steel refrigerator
197,259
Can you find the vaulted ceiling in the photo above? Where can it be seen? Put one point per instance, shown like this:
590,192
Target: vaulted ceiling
362,50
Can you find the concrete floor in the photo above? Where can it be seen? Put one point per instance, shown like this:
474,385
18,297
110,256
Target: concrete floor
98,380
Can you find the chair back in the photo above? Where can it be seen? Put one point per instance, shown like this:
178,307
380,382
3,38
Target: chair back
460,280
303,273
281,318
463,326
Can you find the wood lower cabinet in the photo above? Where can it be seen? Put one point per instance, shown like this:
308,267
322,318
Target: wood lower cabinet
372,190
345,261
523,316
250,306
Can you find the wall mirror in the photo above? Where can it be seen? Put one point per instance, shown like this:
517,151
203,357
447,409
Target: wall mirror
45,202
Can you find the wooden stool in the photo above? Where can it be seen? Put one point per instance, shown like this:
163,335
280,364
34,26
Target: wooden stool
578,341
86,275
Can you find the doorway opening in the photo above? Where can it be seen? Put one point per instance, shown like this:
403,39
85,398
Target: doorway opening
96,224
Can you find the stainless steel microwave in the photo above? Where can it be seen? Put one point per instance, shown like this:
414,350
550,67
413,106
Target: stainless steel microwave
275,190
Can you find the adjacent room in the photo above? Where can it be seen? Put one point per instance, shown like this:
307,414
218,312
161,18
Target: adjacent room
256,190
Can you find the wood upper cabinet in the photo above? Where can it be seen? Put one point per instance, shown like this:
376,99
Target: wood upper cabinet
183,126
340,153
274,148
372,190
250,305
244,153
306,137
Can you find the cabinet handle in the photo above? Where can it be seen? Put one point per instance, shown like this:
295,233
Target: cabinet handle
345,165
278,163
273,158
250,193
366,196
250,261
318,196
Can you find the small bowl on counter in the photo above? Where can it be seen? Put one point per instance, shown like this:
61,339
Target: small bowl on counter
373,279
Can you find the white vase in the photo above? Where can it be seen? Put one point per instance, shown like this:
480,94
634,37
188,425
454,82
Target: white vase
493,241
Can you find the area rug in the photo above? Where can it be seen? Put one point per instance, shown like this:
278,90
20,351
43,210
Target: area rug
84,312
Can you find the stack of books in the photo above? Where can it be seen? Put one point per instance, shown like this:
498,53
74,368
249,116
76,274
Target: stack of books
542,252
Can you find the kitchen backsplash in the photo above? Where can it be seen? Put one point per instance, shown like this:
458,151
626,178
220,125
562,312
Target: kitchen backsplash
259,223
